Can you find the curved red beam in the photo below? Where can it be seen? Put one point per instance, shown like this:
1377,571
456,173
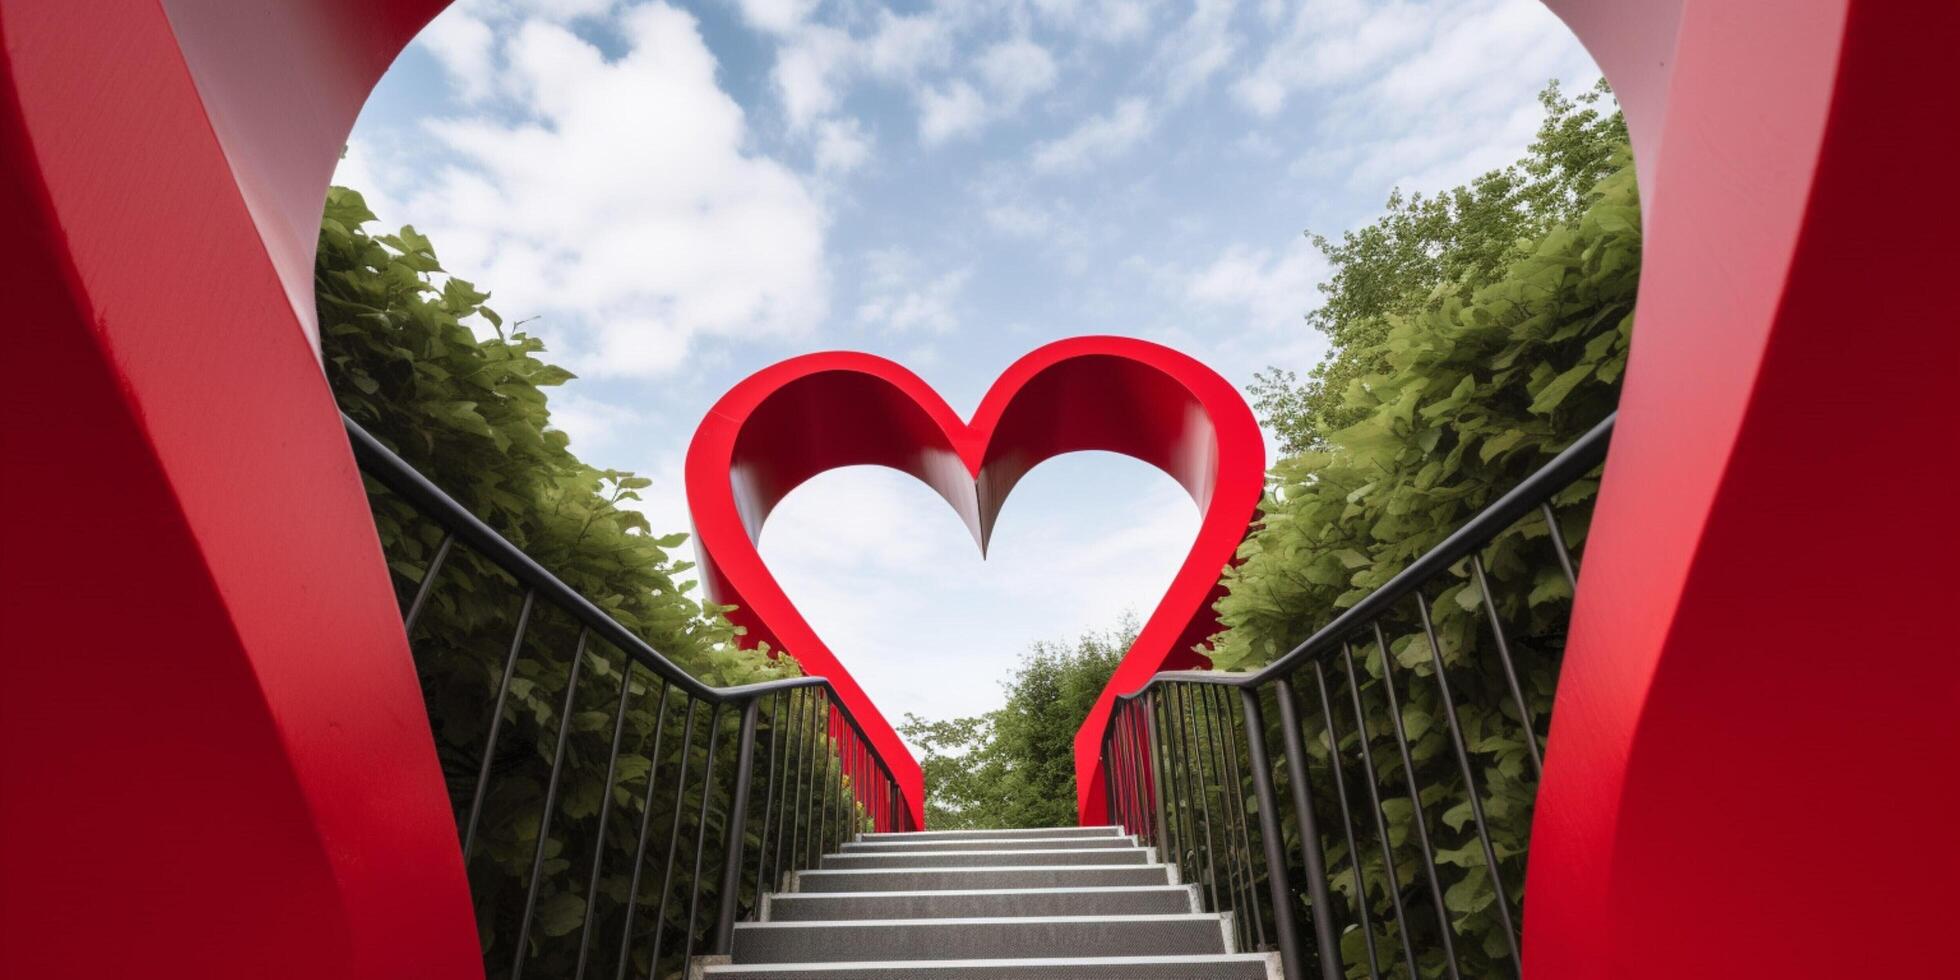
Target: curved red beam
1759,709
804,416
215,761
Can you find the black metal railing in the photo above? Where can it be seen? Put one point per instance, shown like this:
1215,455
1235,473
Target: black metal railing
709,798
1409,775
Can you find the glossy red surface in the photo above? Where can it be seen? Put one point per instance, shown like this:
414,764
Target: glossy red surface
214,758
1751,755
794,420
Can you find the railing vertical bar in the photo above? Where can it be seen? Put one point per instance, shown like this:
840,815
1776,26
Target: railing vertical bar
1188,735
1375,804
824,754
496,726
1161,835
1510,669
1133,773
605,810
1235,737
769,796
1187,820
1470,785
1558,546
1109,780
1149,790
427,586
1347,821
1112,791
737,828
791,800
796,853
1269,836
550,803
1446,933
810,853
1322,901
1173,788
646,825
673,841
701,828
1225,744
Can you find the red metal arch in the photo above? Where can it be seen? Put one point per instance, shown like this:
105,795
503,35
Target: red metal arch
799,418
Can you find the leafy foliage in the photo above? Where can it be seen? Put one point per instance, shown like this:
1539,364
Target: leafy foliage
471,414
1425,249
1015,766
1464,361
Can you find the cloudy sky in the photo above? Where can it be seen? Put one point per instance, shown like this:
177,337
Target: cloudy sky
678,195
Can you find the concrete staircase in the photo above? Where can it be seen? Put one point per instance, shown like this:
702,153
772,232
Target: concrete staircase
1075,903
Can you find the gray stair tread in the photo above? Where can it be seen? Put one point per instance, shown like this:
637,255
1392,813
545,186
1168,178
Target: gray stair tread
991,858
1228,966
966,903
1015,844
938,879
1011,834
994,937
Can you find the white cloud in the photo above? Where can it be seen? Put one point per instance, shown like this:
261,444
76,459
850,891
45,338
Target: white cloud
901,296
1420,93
842,146
1019,220
1275,289
905,43
1013,72
1097,138
466,48
816,63
776,16
810,71
1200,48
363,168
594,426
625,202
1107,21
1016,70
956,110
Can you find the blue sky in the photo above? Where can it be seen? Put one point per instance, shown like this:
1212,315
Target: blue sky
682,194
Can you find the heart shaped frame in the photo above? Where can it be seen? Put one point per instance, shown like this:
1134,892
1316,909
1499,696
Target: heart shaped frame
807,415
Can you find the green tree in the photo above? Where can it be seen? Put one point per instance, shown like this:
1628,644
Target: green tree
1426,248
1473,341
1015,766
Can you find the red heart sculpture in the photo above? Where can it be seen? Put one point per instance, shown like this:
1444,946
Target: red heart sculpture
804,416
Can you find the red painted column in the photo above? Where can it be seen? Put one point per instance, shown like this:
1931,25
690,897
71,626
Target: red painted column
214,759
1750,765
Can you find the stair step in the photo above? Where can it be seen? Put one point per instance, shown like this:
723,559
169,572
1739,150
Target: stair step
993,938
932,835
989,858
1014,844
1120,900
1231,966
967,879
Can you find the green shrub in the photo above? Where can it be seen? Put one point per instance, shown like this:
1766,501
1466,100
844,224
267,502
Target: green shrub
471,414
1446,389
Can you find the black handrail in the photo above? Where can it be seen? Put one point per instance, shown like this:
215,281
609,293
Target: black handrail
1172,748
833,781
